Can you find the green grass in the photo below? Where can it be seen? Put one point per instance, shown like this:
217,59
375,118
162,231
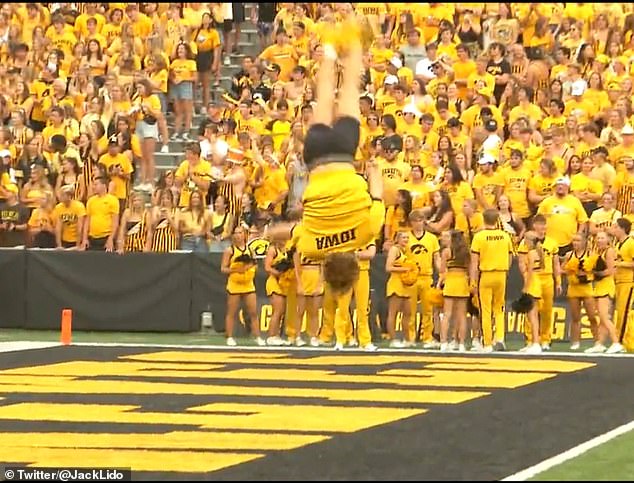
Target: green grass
611,461
178,338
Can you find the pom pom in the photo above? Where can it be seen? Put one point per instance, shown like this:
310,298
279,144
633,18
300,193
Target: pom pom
523,304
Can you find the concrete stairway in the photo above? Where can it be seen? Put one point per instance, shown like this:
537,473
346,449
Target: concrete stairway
247,45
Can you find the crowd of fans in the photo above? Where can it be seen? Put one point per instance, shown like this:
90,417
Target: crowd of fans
525,108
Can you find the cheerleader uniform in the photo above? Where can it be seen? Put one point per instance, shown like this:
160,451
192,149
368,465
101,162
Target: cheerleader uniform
604,286
456,280
395,285
580,289
534,288
273,283
240,283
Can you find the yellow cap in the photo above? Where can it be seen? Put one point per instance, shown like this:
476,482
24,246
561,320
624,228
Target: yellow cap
614,86
604,59
13,188
485,92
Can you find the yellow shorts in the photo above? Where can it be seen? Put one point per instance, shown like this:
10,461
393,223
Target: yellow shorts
273,287
535,287
312,283
456,285
239,288
604,287
356,233
339,215
396,287
580,291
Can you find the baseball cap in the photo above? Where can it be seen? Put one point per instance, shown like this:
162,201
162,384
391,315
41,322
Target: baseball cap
614,86
486,159
454,122
390,80
411,109
274,68
491,125
627,129
563,180
5,153
396,62
578,87
393,143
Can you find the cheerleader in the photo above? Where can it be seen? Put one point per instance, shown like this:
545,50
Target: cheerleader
454,282
604,291
239,265
133,227
278,266
399,289
533,267
578,266
162,234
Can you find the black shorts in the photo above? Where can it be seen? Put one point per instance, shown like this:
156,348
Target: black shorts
564,250
341,139
204,61
37,126
238,12
97,244
227,26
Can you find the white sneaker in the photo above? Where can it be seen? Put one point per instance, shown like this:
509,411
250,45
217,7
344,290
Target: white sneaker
575,346
409,343
370,348
185,137
338,346
299,342
227,60
453,345
165,149
595,349
615,348
444,347
487,349
534,349
315,342
231,342
260,341
462,348
545,346
476,345
274,341
353,343
397,344
431,345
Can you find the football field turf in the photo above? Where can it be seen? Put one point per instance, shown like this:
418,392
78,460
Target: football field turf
213,413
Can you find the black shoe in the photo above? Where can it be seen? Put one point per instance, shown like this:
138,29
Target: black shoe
499,347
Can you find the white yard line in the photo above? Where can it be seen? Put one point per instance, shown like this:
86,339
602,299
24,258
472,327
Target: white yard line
23,346
351,349
570,454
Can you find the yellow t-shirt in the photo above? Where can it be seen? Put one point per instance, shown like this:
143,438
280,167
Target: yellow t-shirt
284,56
101,209
202,169
581,182
516,182
421,250
120,184
183,70
207,40
69,217
550,249
469,226
493,246
458,194
563,215
394,176
488,185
